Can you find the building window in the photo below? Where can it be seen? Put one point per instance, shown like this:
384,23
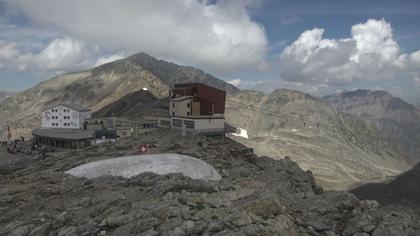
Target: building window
188,105
188,113
189,124
173,113
176,122
165,123
173,105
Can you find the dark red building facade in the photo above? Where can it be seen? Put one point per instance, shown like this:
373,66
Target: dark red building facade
207,100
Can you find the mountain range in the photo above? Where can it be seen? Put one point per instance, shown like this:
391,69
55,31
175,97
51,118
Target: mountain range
340,149
399,120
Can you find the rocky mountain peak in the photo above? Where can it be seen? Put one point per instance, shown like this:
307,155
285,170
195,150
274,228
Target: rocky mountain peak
395,117
289,95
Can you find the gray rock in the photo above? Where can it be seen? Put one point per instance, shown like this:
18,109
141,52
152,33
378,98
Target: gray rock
68,231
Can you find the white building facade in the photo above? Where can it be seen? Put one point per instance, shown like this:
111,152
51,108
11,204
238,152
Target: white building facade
65,116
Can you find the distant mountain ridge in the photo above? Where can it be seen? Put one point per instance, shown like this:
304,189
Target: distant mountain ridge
393,116
4,95
338,148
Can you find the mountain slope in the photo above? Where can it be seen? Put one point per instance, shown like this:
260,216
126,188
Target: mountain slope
397,119
99,87
256,196
404,189
134,105
4,95
339,149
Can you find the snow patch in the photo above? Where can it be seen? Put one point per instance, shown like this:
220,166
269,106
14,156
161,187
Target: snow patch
241,133
158,163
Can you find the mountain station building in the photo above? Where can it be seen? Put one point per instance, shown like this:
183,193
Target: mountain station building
198,107
64,125
67,116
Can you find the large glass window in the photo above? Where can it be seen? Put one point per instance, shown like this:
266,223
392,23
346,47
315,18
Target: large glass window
176,122
189,124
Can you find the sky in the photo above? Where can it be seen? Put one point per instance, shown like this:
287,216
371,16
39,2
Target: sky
319,47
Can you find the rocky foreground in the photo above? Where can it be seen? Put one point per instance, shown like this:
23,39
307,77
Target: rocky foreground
256,196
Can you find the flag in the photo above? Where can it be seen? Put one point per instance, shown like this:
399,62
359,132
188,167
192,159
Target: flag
9,134
144,149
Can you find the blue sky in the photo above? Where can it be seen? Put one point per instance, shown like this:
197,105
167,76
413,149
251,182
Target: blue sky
319,47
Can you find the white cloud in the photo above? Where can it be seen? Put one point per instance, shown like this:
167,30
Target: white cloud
370,54
107,59
234,82
220,37
417,81
62,53
59,55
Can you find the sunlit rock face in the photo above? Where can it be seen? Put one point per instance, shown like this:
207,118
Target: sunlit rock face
159,163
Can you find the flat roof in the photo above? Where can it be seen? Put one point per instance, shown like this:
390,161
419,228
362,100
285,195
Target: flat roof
63,133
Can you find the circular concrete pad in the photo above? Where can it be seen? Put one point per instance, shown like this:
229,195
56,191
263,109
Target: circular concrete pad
159,163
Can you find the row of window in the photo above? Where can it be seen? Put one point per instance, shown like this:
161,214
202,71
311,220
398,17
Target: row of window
176,122
56,110
149,125
56,124
189,124
56,117
188,105
165,123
